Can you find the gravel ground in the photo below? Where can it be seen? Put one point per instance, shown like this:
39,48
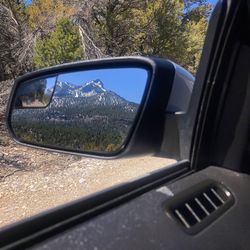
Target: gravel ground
32,181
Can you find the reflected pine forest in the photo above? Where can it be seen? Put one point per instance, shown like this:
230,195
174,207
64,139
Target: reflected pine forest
85,117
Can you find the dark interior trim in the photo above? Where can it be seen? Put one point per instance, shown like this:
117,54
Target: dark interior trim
217,75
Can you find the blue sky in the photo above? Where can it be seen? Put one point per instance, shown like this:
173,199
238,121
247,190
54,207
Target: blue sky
128,83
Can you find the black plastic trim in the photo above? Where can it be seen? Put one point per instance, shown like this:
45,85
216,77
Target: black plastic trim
212,62
194,192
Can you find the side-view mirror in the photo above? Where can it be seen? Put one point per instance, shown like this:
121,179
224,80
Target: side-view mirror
107,107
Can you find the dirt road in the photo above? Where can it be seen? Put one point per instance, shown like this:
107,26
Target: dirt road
32,181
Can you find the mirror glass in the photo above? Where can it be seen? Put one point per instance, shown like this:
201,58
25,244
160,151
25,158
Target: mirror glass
87,111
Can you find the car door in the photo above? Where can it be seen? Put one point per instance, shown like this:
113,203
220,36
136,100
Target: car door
198,203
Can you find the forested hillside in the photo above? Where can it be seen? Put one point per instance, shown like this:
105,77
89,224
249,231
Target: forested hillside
96,120
41,33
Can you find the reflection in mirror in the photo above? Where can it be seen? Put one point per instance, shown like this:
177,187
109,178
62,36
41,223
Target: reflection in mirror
87,111
37,93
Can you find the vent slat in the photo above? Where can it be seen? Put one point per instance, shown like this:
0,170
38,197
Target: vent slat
211,202
186,224
218,196
202,207
194,210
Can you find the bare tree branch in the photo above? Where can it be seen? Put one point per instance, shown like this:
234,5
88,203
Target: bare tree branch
91,50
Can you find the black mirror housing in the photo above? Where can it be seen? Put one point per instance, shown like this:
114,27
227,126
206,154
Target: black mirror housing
146,134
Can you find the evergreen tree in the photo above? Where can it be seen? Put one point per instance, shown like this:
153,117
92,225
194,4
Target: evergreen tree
174,29
61,46
44,14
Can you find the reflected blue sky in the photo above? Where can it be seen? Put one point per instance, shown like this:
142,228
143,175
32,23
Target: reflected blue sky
50,83
128,83
213,1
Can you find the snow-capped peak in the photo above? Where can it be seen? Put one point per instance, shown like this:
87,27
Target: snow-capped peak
87,89
95,83
64,84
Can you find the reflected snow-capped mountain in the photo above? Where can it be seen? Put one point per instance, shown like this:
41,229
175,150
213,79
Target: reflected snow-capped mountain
90,93
65,89
77,111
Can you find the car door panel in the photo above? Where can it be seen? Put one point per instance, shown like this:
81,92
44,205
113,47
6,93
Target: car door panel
143,223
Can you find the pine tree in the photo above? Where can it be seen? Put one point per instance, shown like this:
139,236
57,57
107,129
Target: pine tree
44,14
61,46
